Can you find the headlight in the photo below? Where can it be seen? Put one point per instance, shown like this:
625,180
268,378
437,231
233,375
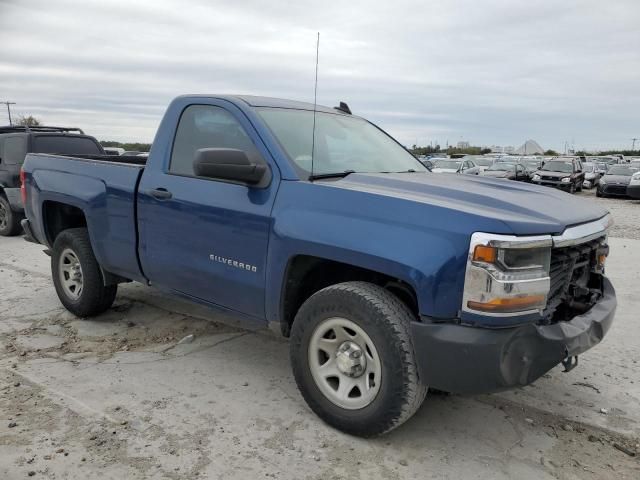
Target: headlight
603,181
536,177
507,275
635,179
565,180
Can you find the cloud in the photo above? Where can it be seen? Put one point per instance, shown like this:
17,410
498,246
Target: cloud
490,72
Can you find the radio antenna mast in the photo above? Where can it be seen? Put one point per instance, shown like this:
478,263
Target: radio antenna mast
315,103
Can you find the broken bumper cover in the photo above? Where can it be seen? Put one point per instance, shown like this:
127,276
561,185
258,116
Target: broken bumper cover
463,359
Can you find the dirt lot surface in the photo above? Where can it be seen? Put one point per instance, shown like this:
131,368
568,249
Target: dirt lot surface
132,395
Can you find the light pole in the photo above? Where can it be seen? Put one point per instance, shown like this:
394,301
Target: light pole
9,110
633,145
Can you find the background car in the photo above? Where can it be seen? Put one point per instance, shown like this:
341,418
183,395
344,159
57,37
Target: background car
531,165
615,182
591,175
481,162
456,166
510,171
601,167
564,173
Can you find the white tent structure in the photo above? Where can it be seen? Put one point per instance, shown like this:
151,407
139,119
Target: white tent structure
530,147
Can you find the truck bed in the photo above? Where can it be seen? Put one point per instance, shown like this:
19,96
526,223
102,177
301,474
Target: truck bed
104,188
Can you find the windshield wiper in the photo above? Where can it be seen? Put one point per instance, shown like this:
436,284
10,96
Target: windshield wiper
320,176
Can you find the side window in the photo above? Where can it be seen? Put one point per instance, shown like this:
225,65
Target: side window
206,126
14,151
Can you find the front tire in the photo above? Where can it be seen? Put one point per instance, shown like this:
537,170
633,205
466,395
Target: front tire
77,276
353,358
9,220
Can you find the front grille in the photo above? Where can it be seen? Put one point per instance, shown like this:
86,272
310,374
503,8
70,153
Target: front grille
615,189
552,179
573,286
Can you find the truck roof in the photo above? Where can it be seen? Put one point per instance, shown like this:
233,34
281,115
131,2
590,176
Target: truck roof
257,101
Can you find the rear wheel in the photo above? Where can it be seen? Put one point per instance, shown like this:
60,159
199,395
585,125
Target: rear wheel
353,358
77,276
9,220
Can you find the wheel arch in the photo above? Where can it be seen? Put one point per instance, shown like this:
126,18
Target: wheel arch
308,274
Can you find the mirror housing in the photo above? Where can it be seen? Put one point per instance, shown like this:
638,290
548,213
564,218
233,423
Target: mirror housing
227,164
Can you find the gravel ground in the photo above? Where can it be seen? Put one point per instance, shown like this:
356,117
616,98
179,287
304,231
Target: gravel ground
625,211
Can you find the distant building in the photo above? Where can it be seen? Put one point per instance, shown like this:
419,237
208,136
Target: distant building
530,147
462,144
500,149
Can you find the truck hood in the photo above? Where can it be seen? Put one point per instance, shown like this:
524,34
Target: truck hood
524,209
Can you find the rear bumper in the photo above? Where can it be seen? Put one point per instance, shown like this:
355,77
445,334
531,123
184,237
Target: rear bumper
15,199
633,191
462,359
28,233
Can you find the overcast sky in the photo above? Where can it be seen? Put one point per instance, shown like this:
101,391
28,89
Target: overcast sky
489,72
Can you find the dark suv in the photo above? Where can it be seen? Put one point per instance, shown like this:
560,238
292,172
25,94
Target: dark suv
15,143
565,173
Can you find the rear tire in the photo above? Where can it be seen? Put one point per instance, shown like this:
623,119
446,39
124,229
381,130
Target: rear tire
380,324
9,220
77,276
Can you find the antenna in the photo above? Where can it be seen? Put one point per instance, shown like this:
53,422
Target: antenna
315,103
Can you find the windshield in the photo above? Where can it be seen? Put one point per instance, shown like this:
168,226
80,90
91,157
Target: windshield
502,167
588,167
558,166
450,164
621,170
531,164
342,143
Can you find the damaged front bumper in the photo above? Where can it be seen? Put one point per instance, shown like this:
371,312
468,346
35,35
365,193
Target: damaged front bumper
464,359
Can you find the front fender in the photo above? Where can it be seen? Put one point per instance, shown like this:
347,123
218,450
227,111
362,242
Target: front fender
431,260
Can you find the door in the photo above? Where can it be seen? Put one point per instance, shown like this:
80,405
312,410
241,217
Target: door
202,237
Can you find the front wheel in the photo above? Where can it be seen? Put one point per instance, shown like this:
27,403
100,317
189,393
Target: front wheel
353,358
77,276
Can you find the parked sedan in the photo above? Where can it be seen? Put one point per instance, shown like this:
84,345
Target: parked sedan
591,175
616,181
509,171
456,166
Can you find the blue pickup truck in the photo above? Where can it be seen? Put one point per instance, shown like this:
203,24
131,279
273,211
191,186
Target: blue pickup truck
311,221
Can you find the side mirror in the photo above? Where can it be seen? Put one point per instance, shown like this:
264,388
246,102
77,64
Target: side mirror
227,164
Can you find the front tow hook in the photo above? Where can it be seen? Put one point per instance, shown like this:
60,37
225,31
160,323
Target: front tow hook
569,363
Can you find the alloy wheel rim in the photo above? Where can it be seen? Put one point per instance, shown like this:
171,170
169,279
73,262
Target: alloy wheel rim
70,272
344,363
